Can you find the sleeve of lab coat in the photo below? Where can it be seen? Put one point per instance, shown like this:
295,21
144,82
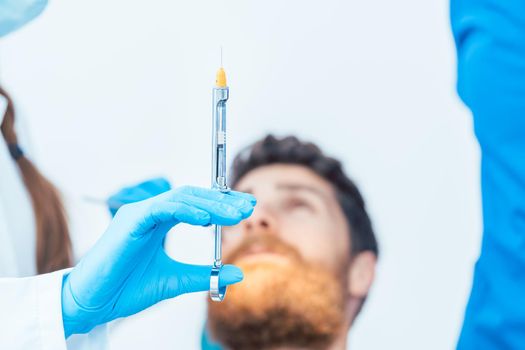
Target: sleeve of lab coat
490,39
31,313
31,316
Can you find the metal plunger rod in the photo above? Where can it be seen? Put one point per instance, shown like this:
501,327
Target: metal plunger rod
218,246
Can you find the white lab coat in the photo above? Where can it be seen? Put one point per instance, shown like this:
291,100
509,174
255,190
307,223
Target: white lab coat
30,306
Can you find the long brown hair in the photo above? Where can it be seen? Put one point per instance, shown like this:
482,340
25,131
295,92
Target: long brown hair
53,244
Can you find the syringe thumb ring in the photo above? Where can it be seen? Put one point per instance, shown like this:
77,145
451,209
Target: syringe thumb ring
216,294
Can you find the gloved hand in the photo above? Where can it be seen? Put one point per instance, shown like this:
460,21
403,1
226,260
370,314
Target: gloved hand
132,194
128,270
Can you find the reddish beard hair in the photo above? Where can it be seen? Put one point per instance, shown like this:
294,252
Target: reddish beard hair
287,302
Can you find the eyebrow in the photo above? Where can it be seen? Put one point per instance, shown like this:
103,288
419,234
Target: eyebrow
299,187
296,187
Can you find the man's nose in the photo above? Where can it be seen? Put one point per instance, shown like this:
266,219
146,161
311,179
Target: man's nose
262,220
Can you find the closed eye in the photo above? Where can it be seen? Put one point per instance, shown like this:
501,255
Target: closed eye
297,203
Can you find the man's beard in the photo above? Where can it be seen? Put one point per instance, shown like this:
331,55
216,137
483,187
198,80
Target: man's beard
283,301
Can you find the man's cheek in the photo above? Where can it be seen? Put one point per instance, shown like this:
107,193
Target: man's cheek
300,239
316,251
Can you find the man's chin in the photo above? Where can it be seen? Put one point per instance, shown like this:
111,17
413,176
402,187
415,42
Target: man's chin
281,302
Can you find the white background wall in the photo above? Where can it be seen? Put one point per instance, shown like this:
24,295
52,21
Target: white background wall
117,91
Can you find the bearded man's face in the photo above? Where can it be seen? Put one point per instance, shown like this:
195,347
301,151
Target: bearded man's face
295,254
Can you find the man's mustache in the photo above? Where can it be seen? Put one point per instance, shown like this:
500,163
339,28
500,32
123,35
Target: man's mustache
263,243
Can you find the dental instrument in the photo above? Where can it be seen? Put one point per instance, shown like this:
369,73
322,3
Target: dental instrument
218,181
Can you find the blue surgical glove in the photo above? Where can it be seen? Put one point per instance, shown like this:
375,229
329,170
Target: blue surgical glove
137,193
128,270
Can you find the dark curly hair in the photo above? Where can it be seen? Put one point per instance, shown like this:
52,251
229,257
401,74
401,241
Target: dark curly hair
291,150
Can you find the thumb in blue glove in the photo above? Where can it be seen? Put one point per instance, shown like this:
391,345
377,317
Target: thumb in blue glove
128,270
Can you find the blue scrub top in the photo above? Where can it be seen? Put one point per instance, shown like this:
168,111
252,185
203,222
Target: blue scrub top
207,342
490,39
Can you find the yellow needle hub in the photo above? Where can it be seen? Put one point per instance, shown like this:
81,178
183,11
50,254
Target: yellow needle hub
220,81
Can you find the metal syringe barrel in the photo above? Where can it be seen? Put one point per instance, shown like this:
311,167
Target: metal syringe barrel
219,181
